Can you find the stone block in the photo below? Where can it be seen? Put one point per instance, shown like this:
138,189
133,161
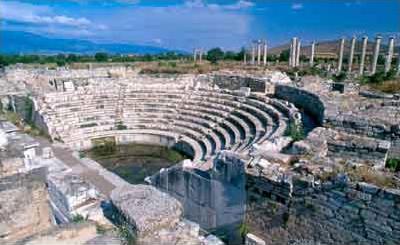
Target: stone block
252,239
147,209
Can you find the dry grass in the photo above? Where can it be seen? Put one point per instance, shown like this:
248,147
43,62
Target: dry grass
362,174
392,86
368,175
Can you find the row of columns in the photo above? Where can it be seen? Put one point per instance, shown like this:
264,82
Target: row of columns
198,55
259,53
295,51
378,41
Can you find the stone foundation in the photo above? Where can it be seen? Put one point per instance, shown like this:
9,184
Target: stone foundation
336,212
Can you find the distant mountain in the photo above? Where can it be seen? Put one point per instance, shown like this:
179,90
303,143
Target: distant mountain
15,42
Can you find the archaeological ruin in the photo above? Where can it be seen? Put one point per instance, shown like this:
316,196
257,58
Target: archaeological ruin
259,155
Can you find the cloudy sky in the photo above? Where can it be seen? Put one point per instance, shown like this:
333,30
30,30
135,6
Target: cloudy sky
185,24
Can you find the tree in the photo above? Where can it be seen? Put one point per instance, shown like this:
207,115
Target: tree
284,56
230,55
72,58
101,57
3,61
214,55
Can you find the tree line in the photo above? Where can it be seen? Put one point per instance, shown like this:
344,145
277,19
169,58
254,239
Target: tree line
213,55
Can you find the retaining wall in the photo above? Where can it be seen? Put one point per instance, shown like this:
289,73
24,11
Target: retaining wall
332,213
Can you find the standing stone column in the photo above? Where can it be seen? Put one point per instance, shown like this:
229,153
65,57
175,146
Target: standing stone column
389,56
195,55
398,64
378,41
244,57
200,56
292,55
258,52
253,54
341,52
298,49
351,58
265,53
363,54
312,54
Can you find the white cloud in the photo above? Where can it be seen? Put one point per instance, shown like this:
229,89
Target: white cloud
40,15
353,3
192,24
297,6
157,41
241,4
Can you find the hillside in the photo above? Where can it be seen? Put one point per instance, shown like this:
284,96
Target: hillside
12,42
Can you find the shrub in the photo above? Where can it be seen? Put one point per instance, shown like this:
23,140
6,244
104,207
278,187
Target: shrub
82,154
243,229
377,78
393,164
78,218
340,77
100,229
105,149
295,131
124,233
121,126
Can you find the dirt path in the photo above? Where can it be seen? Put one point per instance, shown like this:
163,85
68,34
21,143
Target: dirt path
90,175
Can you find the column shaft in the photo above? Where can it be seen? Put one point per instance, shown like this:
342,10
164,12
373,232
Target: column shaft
378,41
398,64
341,52
253,54
351,58
259,53
363,54
312,54
265,53
293,52
389,56
298,53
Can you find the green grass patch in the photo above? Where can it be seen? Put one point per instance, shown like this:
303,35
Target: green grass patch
295,131
393,164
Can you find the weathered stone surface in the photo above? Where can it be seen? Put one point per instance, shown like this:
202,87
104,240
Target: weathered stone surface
24,206
146,208
76,234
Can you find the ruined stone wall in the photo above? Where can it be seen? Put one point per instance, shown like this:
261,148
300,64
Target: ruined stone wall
236,82
23,106
363,126
310,102
331,213
24,206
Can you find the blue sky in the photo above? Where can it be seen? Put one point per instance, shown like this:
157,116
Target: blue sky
186,24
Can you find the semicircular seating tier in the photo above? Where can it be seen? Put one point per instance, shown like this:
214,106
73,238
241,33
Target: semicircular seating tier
199,122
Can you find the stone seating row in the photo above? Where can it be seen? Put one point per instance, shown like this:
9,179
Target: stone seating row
215,119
